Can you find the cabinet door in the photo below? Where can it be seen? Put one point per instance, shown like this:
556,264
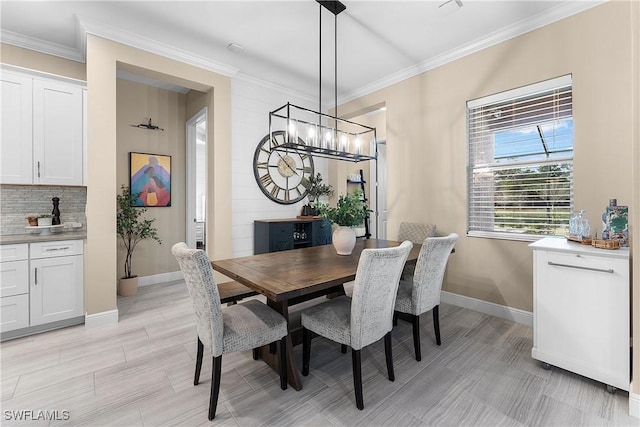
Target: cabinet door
14,278
57,133
16,153
321,233
14,312
280,236
56,289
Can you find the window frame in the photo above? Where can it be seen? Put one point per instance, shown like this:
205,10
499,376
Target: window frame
517,95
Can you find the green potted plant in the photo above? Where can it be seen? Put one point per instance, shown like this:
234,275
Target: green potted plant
317,189
350,211
132,228
44,219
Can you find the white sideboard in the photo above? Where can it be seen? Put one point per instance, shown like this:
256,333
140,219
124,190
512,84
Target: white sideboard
581,310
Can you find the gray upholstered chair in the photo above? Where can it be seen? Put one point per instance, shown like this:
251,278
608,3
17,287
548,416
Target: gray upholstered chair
234,328
363,319
421,293
415,233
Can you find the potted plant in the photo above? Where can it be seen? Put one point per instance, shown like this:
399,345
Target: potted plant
350,211
132,228
44,219
317,189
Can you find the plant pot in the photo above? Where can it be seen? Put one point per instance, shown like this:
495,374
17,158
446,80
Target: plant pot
344,239
33,221
128,286
44,221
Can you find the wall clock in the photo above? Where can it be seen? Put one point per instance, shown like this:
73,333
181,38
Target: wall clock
283,176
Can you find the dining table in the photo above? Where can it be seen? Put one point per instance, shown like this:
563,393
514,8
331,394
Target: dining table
287,278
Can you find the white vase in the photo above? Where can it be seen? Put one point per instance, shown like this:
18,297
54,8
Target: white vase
344,239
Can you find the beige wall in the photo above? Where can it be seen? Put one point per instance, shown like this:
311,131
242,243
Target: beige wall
426,144
103,57
137,102
33,60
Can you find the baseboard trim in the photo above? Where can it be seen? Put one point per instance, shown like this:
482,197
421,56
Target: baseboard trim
634,405
104,318
160,278
490,308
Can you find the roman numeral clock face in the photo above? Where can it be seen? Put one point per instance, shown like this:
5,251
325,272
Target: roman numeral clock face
283,176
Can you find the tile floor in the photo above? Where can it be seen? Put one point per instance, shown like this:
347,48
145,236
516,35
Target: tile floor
140,373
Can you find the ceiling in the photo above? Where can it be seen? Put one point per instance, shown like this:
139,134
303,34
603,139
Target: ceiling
379,42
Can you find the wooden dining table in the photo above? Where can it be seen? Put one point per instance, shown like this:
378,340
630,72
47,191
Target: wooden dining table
290,277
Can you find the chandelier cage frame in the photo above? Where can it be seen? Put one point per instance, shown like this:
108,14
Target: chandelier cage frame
321,134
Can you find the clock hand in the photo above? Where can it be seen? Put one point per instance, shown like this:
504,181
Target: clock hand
285,162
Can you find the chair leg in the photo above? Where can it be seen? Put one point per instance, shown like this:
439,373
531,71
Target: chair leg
272,348
196,378
256,353
389,356
283,363
416,337
306,351
343,348
215,386
395,318
436,323
357,377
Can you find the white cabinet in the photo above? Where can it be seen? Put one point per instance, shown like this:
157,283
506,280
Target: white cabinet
42,130
14,287
56,282
41,283
581,310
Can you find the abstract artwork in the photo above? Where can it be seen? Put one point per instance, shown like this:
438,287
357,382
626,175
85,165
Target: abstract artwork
150,179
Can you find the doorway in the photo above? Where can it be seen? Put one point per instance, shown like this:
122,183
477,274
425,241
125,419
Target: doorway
196,180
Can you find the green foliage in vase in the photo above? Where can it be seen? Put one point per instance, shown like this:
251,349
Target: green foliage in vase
350,210
131,226
316,188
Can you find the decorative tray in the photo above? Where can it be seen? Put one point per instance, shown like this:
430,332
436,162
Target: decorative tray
606,244
44,229
584,241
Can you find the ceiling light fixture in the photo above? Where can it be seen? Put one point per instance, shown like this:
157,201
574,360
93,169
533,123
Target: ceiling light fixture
320,134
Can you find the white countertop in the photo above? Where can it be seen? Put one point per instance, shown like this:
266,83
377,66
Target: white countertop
561,244
34,238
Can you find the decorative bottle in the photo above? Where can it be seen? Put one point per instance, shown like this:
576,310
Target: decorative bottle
55,214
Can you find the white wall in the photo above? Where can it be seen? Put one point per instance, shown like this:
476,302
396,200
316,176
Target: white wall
251,103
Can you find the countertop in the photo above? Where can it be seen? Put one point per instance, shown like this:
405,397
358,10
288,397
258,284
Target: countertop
34,238
561,244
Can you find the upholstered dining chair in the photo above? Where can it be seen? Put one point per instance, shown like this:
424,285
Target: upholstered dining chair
414,232
421,293
363,319
238,327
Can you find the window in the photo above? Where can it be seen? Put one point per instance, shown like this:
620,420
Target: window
520,172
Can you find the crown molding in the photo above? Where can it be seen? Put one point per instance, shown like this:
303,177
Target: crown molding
90,26
241,77
41,46
558,13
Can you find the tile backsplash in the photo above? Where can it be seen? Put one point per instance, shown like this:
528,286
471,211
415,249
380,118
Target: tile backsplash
19,201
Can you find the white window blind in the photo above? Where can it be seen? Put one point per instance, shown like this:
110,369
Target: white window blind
520,172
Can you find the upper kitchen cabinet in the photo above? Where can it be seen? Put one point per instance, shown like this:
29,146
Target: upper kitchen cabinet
42,130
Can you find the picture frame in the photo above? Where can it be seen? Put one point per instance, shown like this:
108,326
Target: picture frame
150,179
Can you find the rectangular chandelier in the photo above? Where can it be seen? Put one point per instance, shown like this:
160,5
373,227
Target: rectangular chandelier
322,135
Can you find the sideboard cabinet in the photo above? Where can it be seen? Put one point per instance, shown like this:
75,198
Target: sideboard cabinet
581,310
272,235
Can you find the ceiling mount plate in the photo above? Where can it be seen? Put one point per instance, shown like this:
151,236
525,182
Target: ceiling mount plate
334,7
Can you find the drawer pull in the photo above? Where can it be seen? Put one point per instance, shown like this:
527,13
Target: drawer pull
602,270
57,249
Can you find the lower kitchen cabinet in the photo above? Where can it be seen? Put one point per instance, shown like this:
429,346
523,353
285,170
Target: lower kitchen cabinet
42,286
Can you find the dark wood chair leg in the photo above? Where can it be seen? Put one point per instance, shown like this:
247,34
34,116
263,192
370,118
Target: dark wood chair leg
196,378
215,386
306,351
389,356
256,353
357,377
283,363
272,348
436,323
416,337
343,348
395,318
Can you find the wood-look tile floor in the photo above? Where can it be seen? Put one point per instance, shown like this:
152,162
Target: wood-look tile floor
140,373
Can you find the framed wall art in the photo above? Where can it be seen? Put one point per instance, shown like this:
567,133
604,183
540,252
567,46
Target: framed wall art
150,178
